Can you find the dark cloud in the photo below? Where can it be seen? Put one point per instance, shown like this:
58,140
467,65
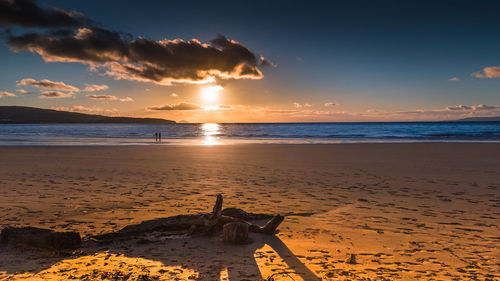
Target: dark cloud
102,97
27,13
108,98
83,109
120,55
179,106
55,95
48,85
479,107
266,62
458,108
163,62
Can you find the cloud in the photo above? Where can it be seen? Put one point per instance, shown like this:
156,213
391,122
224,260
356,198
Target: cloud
190,106
479,107
126,99
330,104
454,79
6,94
48,85
24,92
55,95
251,113
266,62
95,88
224,106
448,113
485,107
109,98
178,106
174,95
162,62
83,109
218,107
308,115
299,105
27,13
102,97
458,108
488,72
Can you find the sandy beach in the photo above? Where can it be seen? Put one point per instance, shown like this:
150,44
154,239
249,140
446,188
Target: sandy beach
424,211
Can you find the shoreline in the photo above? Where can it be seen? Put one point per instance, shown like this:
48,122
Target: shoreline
233,142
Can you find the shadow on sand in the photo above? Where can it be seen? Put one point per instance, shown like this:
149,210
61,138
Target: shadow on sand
209,257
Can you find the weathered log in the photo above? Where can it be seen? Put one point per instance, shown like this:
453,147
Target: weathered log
235,232
175,223
269,228
217,210
242,215
210,222
198,223
41,238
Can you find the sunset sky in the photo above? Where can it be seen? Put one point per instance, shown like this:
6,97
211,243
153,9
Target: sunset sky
231,61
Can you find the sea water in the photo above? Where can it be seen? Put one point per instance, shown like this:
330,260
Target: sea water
230,133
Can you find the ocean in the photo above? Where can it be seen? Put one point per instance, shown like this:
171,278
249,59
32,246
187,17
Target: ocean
280,133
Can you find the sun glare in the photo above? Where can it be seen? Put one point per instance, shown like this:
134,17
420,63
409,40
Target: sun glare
210,132
210,94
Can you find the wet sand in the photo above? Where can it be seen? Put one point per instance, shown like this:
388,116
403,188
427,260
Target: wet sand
406,211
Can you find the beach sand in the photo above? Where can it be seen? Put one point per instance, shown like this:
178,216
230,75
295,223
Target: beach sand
426,211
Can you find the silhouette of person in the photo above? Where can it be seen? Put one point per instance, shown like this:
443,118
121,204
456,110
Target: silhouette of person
159,136
156,136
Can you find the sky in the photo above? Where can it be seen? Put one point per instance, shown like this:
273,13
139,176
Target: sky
259,61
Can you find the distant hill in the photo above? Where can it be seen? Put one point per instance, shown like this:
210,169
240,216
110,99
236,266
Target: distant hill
480,119
33,115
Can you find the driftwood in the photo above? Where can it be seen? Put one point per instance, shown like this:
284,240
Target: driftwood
235,232
237,222
242,215
41,238
204,224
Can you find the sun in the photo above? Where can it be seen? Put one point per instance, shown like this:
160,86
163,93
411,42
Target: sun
210,94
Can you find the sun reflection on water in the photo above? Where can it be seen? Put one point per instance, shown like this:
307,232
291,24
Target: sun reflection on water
210,132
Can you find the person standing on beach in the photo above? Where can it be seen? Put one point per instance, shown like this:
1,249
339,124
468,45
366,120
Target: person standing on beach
156,136
159,136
